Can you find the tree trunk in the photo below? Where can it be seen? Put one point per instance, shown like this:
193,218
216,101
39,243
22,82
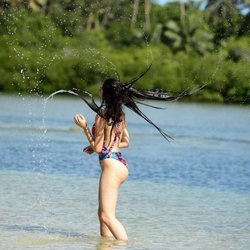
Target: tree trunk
47,9
15,3
135,13
185,37
147,14
182,13
90,21
93,18
26,4
106,16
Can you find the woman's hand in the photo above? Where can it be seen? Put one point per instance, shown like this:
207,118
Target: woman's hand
89,150
80,121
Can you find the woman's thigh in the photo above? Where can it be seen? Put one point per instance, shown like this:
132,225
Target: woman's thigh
113,174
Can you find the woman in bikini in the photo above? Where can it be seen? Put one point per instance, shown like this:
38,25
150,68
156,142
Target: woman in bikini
109,134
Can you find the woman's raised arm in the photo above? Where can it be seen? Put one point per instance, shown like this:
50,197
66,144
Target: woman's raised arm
95,142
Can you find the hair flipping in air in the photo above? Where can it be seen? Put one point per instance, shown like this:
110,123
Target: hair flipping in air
116,94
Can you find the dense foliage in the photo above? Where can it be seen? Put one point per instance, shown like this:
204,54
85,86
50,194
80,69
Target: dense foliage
49,45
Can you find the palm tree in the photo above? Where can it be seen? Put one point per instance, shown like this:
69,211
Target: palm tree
190,32
224,17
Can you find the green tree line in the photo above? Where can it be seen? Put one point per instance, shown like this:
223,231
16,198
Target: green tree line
46,45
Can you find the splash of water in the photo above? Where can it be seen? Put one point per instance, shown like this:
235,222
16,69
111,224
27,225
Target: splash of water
59,92
149,50
45,105
101,56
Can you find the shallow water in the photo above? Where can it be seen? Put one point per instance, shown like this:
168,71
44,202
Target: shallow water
192,193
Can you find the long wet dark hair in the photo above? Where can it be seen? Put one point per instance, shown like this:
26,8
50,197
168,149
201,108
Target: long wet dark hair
115,94
112,101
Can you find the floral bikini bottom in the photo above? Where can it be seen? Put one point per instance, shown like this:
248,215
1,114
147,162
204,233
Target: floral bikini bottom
106,154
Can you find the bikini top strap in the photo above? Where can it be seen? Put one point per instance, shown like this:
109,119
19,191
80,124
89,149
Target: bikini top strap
117,134
93,129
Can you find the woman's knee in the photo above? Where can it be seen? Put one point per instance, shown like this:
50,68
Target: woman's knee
105,217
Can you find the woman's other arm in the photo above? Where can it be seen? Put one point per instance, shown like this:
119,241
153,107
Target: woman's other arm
124,143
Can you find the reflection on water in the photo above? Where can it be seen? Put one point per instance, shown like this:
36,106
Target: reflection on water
44,229
61,236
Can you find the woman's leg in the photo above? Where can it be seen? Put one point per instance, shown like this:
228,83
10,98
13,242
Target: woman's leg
113,174
104,230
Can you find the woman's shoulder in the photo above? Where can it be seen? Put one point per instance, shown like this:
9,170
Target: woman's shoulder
99,118
99,121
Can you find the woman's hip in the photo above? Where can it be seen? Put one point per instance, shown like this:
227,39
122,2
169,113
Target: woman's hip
115,168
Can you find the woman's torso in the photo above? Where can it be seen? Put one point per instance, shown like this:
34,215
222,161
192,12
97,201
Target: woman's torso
112,139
